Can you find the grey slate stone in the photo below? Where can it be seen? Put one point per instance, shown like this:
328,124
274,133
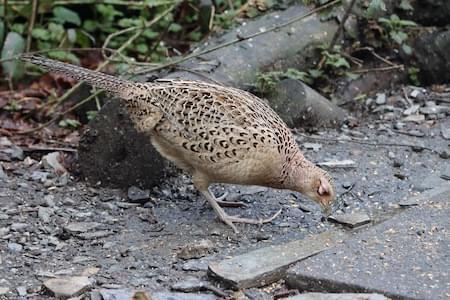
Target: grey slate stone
266,265
405,257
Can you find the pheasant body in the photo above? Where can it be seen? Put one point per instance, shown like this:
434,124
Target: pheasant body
218,134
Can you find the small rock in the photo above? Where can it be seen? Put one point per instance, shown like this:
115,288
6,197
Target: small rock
137,195
414,118
78,227
4,231
434,110
14,247
400,176
95,235
3,175
397,163
408,202
195,265
3,290
197,250
52,160
391,155
346,163
44,214
22,291
68,287
399,125
189,284
417,148
445,131
39,176
312,146
49,201
411,110
353,220
445,154
414,93
381,99
19,226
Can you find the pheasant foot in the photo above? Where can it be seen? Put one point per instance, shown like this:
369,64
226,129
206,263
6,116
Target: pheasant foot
229,220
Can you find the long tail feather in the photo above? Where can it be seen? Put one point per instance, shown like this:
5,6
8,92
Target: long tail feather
101,80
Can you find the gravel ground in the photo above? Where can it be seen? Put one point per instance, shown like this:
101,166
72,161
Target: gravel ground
59,226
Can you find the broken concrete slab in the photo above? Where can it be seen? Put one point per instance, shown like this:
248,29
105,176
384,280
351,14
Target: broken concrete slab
329,296
405,257
264,266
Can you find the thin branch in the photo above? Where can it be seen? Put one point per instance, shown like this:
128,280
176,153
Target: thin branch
135,4
238,39
380,69
341,25
34,6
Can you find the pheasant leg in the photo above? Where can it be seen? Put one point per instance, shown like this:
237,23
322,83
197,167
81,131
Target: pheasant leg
221,202
229,220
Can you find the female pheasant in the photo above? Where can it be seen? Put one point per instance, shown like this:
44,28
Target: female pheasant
217,134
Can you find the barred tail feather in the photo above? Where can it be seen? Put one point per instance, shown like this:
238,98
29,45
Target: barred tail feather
101,80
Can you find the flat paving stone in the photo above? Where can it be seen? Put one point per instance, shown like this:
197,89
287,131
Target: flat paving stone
266,265
346,296
405,257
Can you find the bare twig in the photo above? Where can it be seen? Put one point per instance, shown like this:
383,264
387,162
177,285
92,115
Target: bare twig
380,69
46,148
34,6
238,39
372,51
341,25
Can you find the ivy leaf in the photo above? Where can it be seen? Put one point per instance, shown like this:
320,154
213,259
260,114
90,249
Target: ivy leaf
2,31
406,5
14,45
407,49
398,36
40,34
174,27
64,56
69,123
64,15
375,6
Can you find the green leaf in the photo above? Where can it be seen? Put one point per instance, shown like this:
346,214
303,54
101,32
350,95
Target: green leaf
174,27
89,25
18,27
407,49
142,48
315,73
69,123
56,31
398,36
406,5
40,34
14,45
352,76
64,15
108,12
150,34
375,7
64,56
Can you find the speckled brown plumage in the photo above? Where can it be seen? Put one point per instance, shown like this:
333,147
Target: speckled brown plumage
216,133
